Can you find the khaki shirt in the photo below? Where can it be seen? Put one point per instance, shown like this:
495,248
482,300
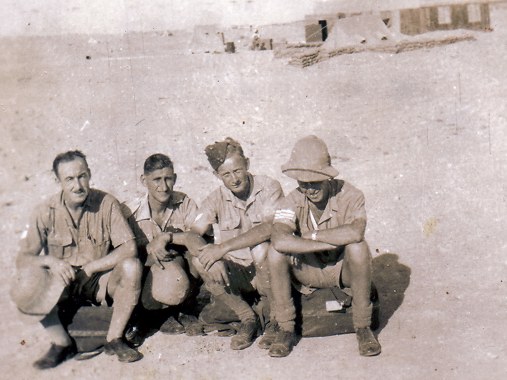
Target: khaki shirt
180,213
345,204
101,228
231,216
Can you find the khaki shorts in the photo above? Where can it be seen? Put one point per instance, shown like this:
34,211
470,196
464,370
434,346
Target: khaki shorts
311,271
94,290
241,278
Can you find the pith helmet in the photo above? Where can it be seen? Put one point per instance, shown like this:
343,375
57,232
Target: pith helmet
36,290
310,161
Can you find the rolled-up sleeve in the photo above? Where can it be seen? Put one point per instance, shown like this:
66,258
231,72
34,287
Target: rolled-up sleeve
34,237
286,214
356,207
189,210
207,212
120,229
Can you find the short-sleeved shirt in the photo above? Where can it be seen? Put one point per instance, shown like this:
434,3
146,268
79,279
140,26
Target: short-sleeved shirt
101,228
232,216
180,213
346,204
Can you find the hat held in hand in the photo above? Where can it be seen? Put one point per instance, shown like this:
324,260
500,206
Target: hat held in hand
310,161
35,290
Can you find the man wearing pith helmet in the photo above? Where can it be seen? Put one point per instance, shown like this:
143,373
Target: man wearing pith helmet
318,242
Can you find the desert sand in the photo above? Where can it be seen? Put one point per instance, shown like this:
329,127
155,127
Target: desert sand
422,133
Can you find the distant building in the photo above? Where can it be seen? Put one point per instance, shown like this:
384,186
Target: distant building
409,21
457,16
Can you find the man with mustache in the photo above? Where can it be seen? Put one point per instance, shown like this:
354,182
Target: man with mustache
242,211
81,241
318,242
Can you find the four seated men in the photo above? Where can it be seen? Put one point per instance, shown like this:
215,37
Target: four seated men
81,245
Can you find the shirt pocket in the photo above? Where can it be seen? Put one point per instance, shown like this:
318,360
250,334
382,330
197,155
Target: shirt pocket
57,244
255,217
232,222
227,229
96,248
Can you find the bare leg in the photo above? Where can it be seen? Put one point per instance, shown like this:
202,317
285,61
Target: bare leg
124,287
55,330
281,289
356,274
282,303
62,347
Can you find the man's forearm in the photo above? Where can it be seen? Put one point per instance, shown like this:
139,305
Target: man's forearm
251,238
297,245
109,261
191,240
343,235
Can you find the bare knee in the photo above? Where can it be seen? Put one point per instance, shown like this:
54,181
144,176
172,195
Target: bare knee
358,254
130,270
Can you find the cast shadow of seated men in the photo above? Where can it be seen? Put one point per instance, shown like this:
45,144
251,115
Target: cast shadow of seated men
327,311
392,279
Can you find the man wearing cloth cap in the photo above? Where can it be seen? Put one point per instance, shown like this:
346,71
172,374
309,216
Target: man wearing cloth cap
318,241
78,243
243,210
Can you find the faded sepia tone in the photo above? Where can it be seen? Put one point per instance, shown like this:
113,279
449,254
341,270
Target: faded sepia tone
422,132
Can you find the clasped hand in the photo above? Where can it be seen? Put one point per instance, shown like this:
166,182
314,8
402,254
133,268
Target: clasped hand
210,254
157,248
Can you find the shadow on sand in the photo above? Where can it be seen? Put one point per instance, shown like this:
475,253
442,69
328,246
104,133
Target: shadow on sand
391,279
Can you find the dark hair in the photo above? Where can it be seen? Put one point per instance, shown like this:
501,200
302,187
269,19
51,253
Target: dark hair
220,150
68,156
157,161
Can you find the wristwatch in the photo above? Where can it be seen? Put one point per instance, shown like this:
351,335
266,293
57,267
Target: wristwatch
314,235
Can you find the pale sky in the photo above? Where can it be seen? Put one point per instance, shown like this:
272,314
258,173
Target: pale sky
49,17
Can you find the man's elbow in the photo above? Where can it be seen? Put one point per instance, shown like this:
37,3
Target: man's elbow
358,236
358,230
278,242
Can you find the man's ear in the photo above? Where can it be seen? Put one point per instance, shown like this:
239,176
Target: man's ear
247,163
175,178
142,179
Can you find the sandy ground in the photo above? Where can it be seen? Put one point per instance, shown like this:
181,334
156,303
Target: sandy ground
422,133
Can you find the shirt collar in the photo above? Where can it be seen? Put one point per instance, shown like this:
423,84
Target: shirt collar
332,204
143,211
230,197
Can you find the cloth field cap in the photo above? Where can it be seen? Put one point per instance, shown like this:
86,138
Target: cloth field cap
35,290
217,152
310,161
